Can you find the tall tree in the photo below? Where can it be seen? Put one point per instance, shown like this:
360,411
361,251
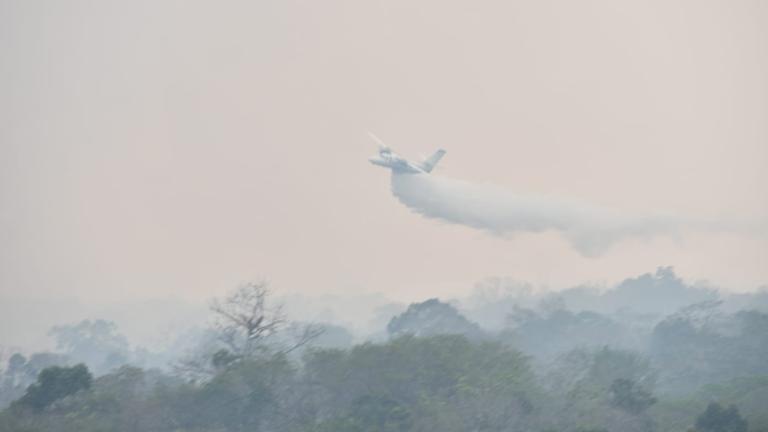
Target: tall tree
245,318
247,325
54,383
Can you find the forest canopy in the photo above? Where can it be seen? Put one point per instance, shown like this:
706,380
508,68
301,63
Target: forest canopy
505,359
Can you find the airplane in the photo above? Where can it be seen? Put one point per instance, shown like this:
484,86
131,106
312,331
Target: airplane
389,159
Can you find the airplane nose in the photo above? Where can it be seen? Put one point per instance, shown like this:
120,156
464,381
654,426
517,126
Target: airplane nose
376,161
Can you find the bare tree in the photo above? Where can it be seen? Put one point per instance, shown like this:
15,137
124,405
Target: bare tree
246,324
298,335
244,319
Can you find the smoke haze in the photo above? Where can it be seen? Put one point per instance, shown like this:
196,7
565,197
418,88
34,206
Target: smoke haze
153,150
157,155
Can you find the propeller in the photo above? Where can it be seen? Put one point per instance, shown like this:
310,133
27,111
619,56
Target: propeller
382,147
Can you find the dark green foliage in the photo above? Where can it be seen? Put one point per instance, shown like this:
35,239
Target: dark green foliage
718,419
380,414
700,345
446,381
605,388
630,397
21,372
595,371
54,383
241,397
427,380
748,393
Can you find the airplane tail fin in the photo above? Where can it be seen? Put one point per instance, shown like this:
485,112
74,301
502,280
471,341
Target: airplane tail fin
430,162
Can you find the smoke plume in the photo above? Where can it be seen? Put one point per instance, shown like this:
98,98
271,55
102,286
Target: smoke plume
591,230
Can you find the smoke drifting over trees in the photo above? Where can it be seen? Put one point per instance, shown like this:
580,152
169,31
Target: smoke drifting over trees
651,354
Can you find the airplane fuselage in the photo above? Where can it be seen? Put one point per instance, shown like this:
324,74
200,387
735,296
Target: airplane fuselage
398,164
395,163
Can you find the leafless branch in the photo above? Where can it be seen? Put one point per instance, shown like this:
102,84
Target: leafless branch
244,318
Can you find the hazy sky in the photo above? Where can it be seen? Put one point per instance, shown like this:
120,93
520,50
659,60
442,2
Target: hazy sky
178,148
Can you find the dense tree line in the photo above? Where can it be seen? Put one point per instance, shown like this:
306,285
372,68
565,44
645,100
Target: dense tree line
443,382
702,368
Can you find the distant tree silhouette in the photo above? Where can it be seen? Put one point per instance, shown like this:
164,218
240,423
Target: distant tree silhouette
718,419
630,397
430,318
54,383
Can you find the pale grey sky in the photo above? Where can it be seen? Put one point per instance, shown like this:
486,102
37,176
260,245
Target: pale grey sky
178,148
